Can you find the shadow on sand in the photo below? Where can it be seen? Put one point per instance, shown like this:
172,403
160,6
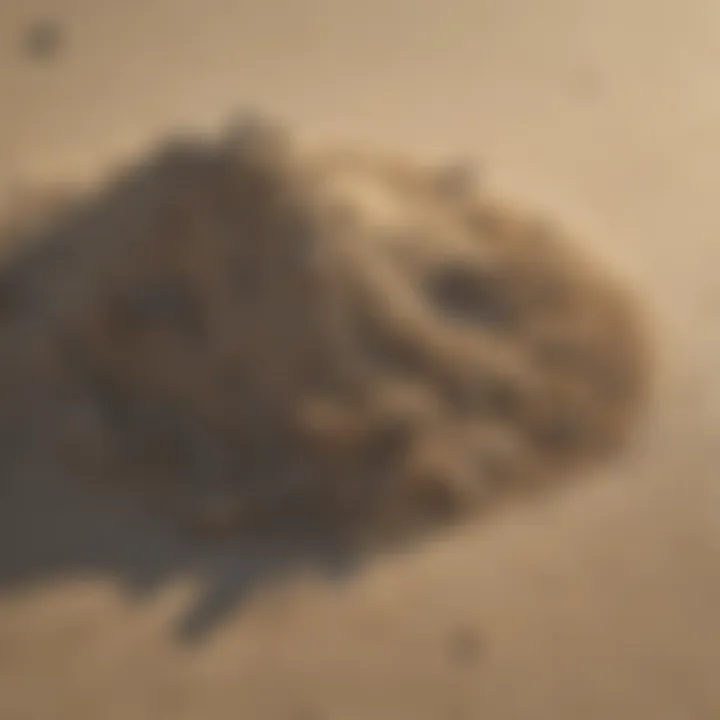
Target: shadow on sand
51,528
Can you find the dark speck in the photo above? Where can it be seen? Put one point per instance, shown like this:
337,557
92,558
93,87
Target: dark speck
468,294
43,40
465,646
455,179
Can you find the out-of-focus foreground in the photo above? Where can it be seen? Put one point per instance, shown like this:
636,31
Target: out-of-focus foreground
598,601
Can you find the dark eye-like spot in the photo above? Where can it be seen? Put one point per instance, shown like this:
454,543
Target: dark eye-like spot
468,294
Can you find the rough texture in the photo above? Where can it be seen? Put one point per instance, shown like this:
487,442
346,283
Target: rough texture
258,337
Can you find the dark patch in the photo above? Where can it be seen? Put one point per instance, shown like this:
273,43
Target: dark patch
503,399
561,436
455,180
439,494
467,295
43,40
465,646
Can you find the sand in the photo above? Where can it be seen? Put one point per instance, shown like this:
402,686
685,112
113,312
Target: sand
599,600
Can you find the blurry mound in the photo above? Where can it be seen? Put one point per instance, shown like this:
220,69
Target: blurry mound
262,338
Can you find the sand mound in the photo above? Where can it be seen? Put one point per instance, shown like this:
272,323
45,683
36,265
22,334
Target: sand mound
260,337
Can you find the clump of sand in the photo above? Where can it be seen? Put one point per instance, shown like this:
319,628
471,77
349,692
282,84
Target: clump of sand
256,336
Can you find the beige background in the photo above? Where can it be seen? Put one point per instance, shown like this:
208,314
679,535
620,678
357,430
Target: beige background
600,603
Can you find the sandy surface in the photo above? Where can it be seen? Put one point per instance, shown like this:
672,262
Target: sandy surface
598,603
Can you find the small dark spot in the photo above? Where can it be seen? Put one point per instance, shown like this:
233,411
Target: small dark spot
43,40
441,493
465,646
503,399
455,179
467,294
562,436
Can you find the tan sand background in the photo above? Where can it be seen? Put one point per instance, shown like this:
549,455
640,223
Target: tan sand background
600,603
